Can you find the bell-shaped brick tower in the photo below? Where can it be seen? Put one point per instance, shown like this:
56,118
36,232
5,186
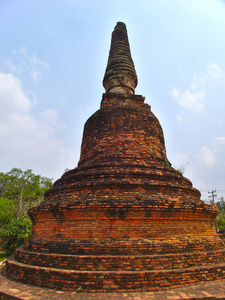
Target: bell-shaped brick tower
124,219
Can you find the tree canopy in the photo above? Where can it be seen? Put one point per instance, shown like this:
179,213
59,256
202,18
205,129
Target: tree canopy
220,219
20,190
15,233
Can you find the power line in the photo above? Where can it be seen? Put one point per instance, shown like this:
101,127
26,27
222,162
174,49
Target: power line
212,196
208,189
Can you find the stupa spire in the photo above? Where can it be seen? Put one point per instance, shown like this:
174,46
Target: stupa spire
120,75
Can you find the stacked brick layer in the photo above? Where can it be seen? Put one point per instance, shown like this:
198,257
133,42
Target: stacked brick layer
120,262
124,219
120,75
123,230
119,281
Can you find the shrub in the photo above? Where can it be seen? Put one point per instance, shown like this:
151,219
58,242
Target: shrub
15,234
7,211
220,221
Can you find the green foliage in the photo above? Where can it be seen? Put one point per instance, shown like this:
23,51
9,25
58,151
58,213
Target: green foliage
182,168
7,211
15,234
221,205
19,190
220,219
3,256
24,188
167,163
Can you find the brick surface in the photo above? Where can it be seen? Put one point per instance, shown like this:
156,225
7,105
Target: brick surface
10,289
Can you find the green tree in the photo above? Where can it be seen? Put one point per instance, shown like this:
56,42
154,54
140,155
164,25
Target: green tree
24,188
221,205
19,190
220,219
7,211
15,234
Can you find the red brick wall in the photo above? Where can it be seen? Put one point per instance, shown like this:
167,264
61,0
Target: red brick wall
101,281
123,230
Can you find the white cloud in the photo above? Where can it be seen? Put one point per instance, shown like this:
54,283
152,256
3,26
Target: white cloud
206,169
35,74
189,100
212,73
179,118
22,50
26,141
193,98
218,145
205,157
213,156
36,67
12,97
180,159
13,68
50,116
180,162
23,62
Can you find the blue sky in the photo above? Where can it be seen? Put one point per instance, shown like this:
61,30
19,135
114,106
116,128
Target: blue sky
52,60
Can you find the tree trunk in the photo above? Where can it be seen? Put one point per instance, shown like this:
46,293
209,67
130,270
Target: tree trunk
19,212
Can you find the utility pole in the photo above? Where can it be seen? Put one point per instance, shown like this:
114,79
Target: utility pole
213,202
212,196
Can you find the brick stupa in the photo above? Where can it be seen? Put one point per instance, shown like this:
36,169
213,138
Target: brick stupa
124,219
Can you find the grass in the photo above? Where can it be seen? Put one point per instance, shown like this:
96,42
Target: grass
3,256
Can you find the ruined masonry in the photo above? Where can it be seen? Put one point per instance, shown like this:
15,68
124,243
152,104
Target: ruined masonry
124,219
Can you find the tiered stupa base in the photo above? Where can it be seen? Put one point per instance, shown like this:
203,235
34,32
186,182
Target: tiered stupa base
119,263
119,280
110,261
142,242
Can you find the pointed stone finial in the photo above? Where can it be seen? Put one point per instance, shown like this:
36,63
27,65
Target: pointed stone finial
120,75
